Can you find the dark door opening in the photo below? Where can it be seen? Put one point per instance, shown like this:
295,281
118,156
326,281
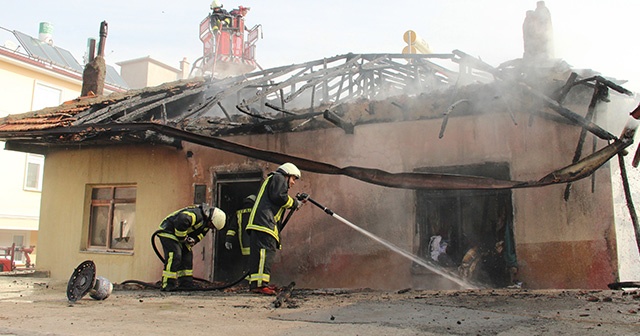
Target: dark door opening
469,231
231,189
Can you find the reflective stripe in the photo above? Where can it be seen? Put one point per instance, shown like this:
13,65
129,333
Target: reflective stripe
166,273
251,226
184,273
180,233
260,277
255,205
168,235
289,202
244,249
231,233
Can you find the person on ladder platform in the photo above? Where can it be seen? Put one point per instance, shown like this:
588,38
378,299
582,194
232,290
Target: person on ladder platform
266,222
181,230
220,18
237,227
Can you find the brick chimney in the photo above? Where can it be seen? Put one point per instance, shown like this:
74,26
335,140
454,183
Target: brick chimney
96,69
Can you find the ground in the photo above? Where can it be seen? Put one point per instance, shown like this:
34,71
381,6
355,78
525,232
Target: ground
39,306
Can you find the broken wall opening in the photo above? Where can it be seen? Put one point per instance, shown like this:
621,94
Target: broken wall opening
469,232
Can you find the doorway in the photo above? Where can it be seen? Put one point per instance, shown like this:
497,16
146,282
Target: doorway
231,189
454,225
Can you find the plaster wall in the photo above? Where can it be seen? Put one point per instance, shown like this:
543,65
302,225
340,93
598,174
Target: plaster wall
163,182
572,239
560,244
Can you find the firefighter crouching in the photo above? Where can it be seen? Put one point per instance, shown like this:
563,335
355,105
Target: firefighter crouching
181,230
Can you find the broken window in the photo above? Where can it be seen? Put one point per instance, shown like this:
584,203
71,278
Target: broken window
469,232
112,219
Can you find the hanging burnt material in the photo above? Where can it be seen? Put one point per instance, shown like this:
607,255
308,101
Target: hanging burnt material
447,113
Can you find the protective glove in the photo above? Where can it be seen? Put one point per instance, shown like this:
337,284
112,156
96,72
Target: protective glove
302,197
228,245
189,241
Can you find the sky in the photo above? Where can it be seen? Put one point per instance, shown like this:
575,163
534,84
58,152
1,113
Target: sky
588,34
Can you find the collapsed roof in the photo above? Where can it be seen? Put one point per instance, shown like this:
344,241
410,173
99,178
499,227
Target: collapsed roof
311,95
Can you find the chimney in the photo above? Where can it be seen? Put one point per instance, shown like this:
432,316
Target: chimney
96,69
184,68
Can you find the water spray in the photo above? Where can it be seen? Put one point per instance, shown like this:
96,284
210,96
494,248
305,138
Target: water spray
464,284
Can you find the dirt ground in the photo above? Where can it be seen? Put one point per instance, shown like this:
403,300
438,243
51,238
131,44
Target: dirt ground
39,306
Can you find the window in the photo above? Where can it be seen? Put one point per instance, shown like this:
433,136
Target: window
34,168
45,96
112,218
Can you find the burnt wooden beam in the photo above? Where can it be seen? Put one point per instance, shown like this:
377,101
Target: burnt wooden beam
279,109
562,93
554,105
336,120
314,78
600,91
627,194
244,110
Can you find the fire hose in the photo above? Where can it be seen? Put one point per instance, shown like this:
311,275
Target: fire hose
152,285
462,283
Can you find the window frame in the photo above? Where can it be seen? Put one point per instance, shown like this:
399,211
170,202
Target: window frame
33,159
111,203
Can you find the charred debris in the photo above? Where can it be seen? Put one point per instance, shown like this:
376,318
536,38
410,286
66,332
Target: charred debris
342,91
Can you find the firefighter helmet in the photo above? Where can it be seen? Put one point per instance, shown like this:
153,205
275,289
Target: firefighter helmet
215,4
249,200
290,169
216,216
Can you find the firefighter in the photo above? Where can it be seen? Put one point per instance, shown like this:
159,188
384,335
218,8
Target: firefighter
181,230
219,16
236,230
265,225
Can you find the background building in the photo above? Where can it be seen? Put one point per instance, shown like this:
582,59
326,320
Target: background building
34,74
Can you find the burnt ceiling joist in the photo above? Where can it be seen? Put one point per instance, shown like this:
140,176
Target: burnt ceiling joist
308,87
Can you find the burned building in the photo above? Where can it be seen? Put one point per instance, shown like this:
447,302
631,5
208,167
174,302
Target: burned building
493,160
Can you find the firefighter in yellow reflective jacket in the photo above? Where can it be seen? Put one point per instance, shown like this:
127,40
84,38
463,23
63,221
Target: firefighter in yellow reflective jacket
265,224
236,229
220,18
181,230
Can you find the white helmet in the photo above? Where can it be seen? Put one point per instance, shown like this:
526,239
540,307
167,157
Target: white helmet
219,218
290,169
215,4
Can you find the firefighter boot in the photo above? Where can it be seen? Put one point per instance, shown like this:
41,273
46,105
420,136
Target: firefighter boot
170,285
186,282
